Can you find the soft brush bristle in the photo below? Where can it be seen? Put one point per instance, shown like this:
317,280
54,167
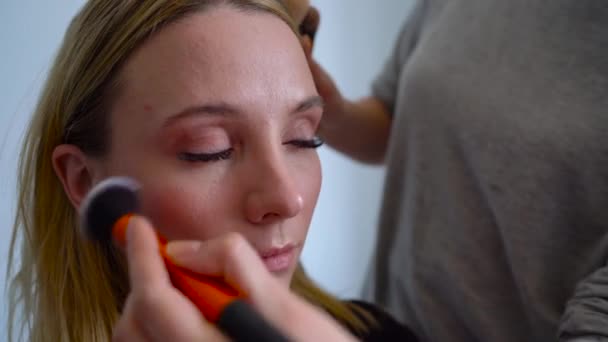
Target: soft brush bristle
105,204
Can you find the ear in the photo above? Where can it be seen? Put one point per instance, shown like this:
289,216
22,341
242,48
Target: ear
75,171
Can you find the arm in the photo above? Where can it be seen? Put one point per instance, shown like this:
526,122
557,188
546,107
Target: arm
586,316
361,128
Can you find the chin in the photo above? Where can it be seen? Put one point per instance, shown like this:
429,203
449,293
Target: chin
285,277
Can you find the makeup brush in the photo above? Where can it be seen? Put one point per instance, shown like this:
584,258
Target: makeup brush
105,214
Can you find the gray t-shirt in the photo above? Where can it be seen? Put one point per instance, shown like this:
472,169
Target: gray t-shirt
496,196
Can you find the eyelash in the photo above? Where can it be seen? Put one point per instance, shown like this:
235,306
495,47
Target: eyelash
310,143
205,157
223,155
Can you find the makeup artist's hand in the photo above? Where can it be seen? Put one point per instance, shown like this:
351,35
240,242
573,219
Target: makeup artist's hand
298,9
156,311
234,259
307,18
335,105
359,129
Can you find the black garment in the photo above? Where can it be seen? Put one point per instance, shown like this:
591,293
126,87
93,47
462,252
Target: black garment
386,327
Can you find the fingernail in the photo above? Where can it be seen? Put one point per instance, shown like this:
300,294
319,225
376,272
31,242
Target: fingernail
125,235
182,251
307,42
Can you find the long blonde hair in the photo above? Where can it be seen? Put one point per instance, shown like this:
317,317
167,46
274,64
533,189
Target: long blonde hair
64,288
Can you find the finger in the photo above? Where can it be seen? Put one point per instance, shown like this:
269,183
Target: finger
307,46
170,315
234,258
146,266
163,315
126,331
310,23
230,257
297,9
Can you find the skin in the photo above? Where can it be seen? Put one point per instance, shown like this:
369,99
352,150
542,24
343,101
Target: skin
258,108
256,112
220,142
297,9
359,128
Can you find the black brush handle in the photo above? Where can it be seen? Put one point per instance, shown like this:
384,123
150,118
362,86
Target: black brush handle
242,323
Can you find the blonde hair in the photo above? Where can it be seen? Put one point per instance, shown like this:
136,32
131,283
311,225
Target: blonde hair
64,288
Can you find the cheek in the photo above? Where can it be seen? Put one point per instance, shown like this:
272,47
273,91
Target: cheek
185,211
186,205
314,187
310,186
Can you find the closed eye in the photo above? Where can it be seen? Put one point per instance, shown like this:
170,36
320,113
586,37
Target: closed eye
205,157
226,154
307,143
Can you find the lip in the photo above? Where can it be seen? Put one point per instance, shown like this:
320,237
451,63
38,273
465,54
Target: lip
279,259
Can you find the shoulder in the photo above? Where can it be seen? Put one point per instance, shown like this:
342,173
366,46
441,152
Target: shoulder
382,326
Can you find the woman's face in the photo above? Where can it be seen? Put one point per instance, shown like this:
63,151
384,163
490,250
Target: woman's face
216,119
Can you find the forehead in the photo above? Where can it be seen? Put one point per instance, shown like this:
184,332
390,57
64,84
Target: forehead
216,55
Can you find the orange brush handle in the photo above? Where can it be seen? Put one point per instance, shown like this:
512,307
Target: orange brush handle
210,295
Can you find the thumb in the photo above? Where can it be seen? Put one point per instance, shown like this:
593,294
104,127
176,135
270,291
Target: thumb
146,266
307,45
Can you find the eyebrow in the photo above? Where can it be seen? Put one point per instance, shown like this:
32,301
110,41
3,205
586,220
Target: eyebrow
224,109
311,102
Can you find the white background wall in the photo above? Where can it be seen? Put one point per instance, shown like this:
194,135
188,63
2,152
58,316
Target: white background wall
354,39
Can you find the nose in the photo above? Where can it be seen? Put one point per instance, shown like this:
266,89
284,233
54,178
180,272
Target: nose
274,194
